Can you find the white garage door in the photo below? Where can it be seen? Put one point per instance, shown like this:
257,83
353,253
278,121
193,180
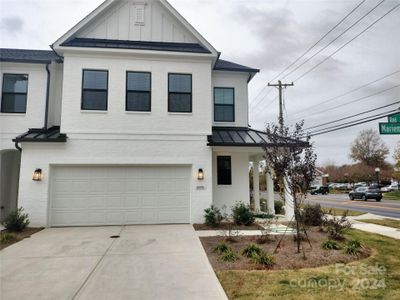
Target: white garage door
119,195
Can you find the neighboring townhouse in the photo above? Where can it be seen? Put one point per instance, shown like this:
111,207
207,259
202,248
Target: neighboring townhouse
131,118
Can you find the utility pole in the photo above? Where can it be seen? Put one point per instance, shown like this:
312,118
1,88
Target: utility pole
281,86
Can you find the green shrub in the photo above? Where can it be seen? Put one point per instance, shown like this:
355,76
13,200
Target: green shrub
279,207
228,256
263,259
16,221
242,215
330,245
7,237
221,247
312,215
353,247
212,216
250,250
263,215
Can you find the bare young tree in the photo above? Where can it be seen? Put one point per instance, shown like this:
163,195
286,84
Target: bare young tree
292,158
368,148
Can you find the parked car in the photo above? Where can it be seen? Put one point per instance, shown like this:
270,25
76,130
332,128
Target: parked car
386,189
323,190
366,193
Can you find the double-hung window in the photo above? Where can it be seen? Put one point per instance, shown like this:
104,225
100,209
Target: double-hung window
224,104
138,91
14,93
94,90
224,170
180,93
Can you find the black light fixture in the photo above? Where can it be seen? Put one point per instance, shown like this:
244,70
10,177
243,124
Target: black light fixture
200,174
37,175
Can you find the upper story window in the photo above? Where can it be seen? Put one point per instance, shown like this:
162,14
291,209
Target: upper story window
94,90
180,93
224,170
224,104
138,91
14,93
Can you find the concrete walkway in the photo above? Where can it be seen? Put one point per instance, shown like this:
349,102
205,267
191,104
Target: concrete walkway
374,228
146,262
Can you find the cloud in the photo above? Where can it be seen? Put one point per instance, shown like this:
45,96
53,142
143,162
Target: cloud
12,24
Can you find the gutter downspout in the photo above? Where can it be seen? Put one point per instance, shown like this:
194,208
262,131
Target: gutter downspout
18,147
46,113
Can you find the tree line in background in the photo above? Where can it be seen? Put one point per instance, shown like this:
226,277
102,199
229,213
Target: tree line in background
369,152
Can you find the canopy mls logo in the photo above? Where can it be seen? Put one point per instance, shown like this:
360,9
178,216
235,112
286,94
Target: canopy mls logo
393,125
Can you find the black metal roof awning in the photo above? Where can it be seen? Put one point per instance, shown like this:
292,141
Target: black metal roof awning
247,137
42,135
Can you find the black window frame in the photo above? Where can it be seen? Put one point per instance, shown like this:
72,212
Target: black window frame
9,93
181,93
233,104
136,91
94,90
224,178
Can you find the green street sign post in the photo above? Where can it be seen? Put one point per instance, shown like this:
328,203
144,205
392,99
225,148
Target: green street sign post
389,128
394,118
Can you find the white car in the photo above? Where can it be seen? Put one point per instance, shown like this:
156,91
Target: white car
386,189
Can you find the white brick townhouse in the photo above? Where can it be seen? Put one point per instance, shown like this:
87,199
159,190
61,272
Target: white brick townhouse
130,118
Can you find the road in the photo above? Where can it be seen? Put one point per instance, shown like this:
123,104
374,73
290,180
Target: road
387,208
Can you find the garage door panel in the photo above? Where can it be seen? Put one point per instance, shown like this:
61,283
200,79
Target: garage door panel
119,195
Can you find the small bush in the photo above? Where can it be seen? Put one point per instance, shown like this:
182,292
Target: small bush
16,221
337,227
279,207
353,247
330,245
7,237
250,250
263,259
212,216
228,256
263,215
242,215
312,215
221,247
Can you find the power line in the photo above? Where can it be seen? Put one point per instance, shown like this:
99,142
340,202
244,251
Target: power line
340,48
349,92
265,107
352,116
383,114
335,39
352,125
259,94
317,42
353,101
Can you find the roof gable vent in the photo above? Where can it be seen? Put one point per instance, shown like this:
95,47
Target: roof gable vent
139,12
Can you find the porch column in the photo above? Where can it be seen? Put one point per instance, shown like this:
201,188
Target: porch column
270,192
289,202
256,185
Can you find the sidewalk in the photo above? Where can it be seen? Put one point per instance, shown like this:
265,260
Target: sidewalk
373,228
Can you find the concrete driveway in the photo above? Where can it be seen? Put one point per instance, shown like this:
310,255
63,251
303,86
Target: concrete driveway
146,262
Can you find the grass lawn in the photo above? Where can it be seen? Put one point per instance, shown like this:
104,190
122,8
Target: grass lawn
392,195
290,284
339,211
383,222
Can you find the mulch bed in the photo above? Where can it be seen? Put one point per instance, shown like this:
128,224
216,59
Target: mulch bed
225,226
286,257
19,236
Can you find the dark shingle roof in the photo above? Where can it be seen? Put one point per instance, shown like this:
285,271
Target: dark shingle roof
28,56
247,137
42,135
230,66
138,45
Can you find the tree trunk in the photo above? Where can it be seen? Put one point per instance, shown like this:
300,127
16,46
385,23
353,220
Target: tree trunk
297,218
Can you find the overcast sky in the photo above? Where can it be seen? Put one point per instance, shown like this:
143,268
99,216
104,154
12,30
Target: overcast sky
267,34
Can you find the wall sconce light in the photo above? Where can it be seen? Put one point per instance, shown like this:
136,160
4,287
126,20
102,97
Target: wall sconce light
200,174
37,175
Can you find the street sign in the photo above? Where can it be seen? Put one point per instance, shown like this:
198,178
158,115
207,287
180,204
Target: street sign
389,128
394,118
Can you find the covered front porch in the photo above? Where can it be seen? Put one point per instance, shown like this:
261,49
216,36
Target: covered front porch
237,155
